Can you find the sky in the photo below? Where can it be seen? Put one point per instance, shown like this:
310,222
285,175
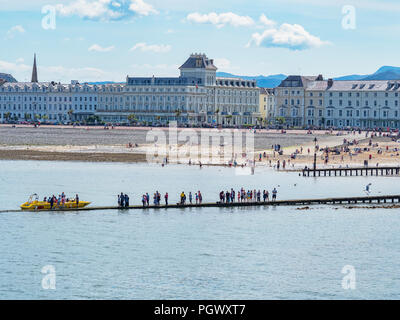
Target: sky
106,40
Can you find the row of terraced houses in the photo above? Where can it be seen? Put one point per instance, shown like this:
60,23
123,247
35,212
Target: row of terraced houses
198,97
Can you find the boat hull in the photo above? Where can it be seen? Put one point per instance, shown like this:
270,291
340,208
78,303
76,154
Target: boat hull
45,206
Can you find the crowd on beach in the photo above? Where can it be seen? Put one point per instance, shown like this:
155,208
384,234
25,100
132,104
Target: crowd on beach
247,196
61,200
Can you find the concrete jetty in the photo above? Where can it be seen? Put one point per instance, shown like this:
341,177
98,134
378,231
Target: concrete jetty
294,202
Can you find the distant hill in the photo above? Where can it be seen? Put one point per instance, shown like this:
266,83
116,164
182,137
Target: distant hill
271,81
7,77
383,73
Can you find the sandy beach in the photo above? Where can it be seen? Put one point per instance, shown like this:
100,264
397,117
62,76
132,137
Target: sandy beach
131,144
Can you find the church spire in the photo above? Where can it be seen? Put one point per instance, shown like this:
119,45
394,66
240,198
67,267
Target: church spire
34,71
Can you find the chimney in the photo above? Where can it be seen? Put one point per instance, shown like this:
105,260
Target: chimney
330,82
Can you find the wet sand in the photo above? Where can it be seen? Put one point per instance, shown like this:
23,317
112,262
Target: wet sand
94,144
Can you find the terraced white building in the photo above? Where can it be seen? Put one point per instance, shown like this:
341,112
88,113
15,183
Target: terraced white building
196,97
313,101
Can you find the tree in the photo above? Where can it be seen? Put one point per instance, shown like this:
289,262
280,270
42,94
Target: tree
281,120
228,118
7,115
132,118
70,113
94,119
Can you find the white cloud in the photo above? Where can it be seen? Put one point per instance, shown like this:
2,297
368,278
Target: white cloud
14,30
291,36
222,63
266,22
153,47
142,8
105,9
220,20
99,48
20,60
160,70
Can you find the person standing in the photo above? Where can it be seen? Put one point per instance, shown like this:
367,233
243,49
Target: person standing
51,202
200,197
166,199
274,193
122,197
144,200
126,201
190,197
77,200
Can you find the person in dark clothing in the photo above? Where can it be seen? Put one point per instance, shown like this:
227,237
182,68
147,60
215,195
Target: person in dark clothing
51,202
126,201
122,200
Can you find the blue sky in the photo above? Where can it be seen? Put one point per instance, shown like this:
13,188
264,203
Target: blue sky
97,40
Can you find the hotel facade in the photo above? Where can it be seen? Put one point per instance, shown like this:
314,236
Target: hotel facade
197,97
312,101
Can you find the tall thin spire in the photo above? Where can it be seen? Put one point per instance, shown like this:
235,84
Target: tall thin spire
34,71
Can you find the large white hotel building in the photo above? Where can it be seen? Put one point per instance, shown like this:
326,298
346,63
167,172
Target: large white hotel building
313,101
196,97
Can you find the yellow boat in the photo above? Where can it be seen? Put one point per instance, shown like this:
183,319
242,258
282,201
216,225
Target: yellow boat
33,204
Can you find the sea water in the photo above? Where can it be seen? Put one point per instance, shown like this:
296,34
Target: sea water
198,253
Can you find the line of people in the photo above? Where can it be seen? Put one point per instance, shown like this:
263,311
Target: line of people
246,196
198,197
123,200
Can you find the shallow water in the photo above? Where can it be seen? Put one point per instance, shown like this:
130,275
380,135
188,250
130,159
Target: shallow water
199,253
